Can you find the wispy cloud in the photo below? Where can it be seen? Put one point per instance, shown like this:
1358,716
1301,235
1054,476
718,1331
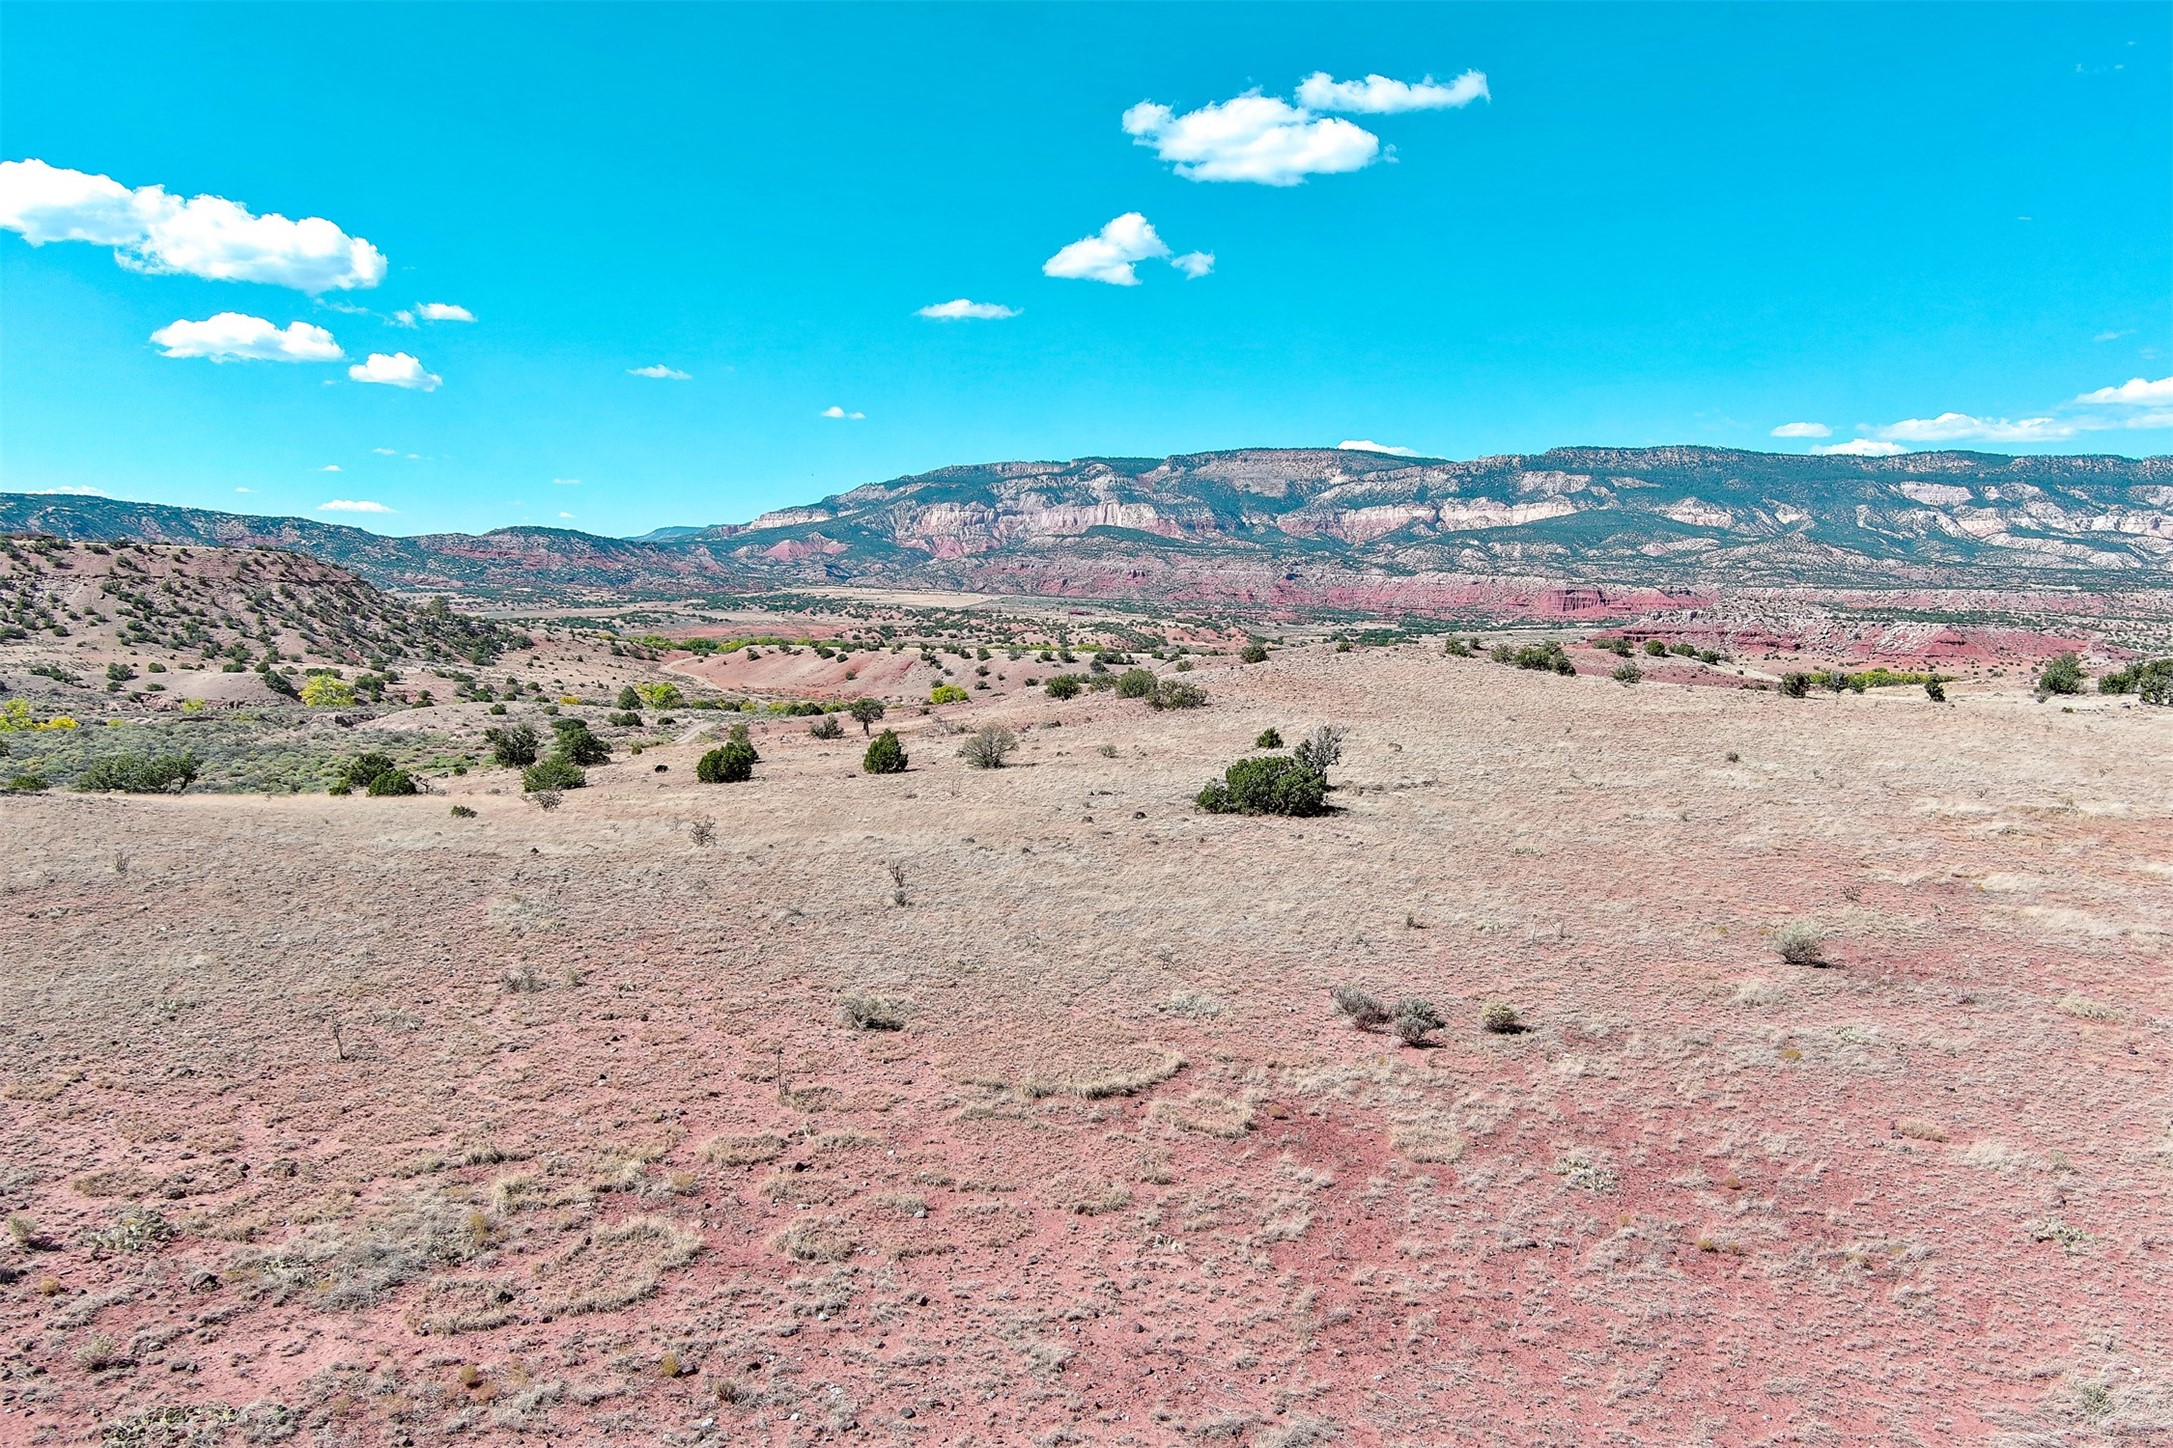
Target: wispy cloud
841,415
330,468
352,505
397,369
1251,137
565,482
70,492
1379,96
1359,444
1803,429
203,236
236,337
659,370
2135,392
961,310
1861,447
1194,264
444,312
1961,427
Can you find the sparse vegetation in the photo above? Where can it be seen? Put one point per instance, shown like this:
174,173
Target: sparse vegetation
2062,674
989,746
826,728
874,1012
1362,1010
1500,1018
141,774
1269,739
1177,694
1800,942
1253,653
1416,1019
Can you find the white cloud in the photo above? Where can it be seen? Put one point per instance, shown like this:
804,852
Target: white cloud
565,515
565,482
352,505
2113,336
204,236
963,310
842,415
1961,427
1194,264
1359,444
1251,137
1107,256
403,318
661,371
245,490
1803,429
1378,95
2135,392
444,312
74,492
329,468
236,337
386,452
396,370
1861,447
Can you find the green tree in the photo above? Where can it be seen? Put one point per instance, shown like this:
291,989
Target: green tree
365,767
628,699
2062,675
1135,683
866,711
514,746
885,754
393,781
733,763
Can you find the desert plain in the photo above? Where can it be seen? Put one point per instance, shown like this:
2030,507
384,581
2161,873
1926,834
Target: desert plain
348,1120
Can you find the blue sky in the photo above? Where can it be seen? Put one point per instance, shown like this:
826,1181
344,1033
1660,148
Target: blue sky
1912,226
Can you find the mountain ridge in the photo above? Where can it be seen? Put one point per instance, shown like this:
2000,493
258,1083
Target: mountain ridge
1259,525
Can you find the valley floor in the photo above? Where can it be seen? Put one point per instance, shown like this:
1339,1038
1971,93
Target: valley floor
356,1121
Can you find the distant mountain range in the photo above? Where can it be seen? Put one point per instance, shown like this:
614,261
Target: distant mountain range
1312,527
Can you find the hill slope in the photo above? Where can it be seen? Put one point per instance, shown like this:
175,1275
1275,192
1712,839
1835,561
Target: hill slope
1315,526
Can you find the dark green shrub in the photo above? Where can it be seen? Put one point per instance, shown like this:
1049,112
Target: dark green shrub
1064,686
141,774
1934,690
1627,673
827,727
1267,785
513,747
1795,684
2154,682
1269,739
734,763
2062,675
1655,648
1456,648
552,775
462,812
628,700
365,767
1135,683
885,754
1502,654
1253,653
1321,749
26,784
1546,656
1177,694
579,746
625,718
393,781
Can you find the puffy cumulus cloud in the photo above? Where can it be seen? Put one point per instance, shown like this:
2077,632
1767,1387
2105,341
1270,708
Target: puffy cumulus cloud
396,369
1803,429
1194,264
204,236
1961,427
1251,137
1377,95
1359,444
237,337
444,312
1861,447
2135,392
352,505
962,309
839,414
1108,255
659,370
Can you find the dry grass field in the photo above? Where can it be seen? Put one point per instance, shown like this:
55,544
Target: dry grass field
350,1121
